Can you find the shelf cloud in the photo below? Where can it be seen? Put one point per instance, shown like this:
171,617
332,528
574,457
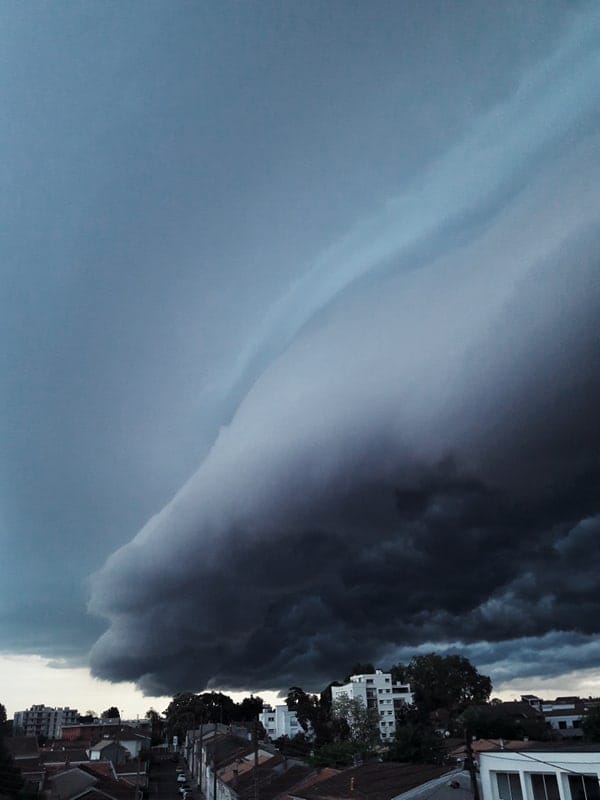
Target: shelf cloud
413,459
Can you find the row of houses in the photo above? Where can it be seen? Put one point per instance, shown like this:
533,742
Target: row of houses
87,766
226,765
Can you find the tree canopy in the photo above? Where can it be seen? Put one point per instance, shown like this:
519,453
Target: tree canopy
188,710
111,713
444,682
590,724
11,781
361,727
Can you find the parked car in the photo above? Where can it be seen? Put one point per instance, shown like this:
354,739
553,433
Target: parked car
185,788
186,794
181,777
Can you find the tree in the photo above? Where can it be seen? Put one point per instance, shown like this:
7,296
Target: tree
5,724
298,746
249,709
417,743
313,713
590,724
334,754
495,721
157,724
445,682
11,781
111,713
362,723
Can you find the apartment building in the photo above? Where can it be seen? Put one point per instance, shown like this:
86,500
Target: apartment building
42,720
280,721
380,692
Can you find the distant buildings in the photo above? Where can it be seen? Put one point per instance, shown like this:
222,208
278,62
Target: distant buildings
42,720
564,714
379,692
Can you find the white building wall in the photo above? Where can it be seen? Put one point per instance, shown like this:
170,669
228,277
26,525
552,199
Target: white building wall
559,764
380,692
280,721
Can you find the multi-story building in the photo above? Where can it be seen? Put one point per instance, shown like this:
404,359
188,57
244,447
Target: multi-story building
44,721
379,692
280,721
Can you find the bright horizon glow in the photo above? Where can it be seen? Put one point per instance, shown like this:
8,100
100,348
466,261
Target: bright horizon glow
28,680
20,675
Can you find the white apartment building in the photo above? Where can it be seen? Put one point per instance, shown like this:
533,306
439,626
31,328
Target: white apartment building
380,692
280,721
44,721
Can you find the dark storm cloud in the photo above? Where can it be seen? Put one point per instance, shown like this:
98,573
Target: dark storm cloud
419,466
339,255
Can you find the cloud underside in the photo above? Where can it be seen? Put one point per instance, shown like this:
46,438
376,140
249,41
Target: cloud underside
418,465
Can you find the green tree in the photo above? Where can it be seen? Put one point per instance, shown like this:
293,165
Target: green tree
188,710
249,709
157,724
11,781
494,721
417,743
313,713
298,746
362,723
5,723
111,713
334,754
590,724
446,682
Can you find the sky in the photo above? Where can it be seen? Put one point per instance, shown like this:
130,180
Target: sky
300,352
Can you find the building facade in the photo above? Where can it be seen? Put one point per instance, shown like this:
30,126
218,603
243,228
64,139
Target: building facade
541,774
42,720
280,721
378,691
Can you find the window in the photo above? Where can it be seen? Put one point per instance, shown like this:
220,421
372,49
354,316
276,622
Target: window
562,725
544,786
584,787
509,786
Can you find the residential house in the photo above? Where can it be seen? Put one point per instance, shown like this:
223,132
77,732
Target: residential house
549,771
92,731
385,781
564,714
381,693
85,783
109,750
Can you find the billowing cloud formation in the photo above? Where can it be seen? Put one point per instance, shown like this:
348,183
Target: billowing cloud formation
416,462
